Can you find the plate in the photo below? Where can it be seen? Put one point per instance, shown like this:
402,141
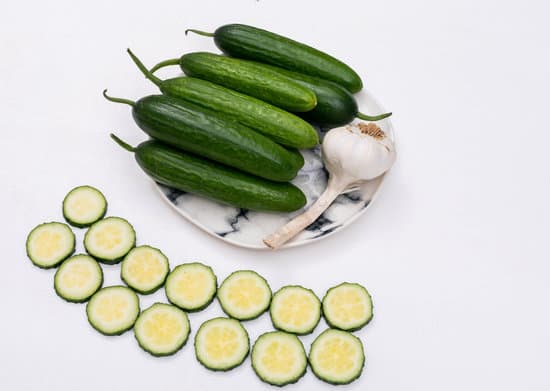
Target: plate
246,228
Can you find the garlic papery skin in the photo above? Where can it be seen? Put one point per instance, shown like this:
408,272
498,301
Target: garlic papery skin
352,154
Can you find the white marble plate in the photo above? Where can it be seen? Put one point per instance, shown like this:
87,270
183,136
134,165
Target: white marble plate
247,228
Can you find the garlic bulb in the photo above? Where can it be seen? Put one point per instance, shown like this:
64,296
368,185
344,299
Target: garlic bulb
352,154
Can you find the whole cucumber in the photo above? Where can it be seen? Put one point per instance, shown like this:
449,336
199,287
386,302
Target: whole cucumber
277,124
211,135
195,175
252,43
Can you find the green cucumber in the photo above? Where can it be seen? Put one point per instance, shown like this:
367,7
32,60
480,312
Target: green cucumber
248,77
49,244
113,310
83,206
295,309
205,133
347,306
144,269
335,105
277,124
78,278
110,239
192,174
256,44
191,286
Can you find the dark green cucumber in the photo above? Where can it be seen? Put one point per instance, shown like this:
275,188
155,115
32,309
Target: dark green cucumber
192,174
252,43
248,77
206,133
335,105
277,124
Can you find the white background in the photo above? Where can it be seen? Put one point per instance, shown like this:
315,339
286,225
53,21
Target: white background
454,250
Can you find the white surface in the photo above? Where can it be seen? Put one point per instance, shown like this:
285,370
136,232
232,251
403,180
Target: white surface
454,251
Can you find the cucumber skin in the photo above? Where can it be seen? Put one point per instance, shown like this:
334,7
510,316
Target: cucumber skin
78,225
250,78
255,315
120,332
152,290
275,326
279,125
83,300
208,302
104,260
208,179
71,252
256,44
353,328
206,133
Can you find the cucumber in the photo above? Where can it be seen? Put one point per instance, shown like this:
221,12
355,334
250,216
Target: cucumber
83,206
110,239
49,244
256,44
144,269
277,124
335,105
244,295
78,278
113,310
248,77
191,286
295,309
347,306
203,132
337,357
221,344
279,358
189,173
162,329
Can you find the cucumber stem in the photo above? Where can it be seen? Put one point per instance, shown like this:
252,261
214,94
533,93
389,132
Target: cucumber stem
162,64
367,117
144,69
206,34
118,100
123,144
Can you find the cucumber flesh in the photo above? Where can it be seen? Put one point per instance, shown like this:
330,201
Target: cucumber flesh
162,329
144,269
78,278
347,306
83,206
191,286
295,309
113,310
221,344
49,244
279,358
337,357
244,295
110,239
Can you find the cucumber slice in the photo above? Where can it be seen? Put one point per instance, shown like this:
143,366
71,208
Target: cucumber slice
49,244
110,239
347,306
295,309
78,278
83,206
337,357
244,295
144,269
162,329
279,358
113,310
221,344
191,286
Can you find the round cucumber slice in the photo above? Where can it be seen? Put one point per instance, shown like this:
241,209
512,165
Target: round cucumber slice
49,244
279,358
347,306
78,278
110,239
113,310
221,344
83,206
244,295
295,309
162,329
337,357
144,269
191,286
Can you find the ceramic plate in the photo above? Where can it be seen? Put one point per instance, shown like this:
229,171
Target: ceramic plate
246,228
